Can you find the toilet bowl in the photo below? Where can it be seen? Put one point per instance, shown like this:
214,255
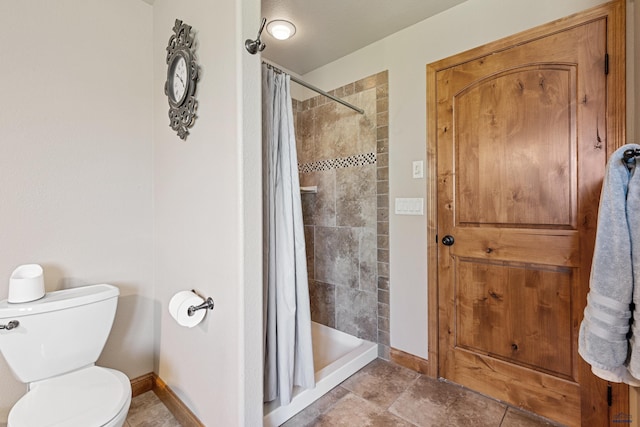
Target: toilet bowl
92,396
52,347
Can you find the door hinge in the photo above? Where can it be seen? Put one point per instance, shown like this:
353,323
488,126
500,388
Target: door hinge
436,238
609,395
606,63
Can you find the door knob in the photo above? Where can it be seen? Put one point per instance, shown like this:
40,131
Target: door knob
448,240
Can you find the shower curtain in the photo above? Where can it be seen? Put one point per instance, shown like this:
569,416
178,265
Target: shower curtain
287,313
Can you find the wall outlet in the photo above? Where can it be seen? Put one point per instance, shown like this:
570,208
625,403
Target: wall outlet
418,169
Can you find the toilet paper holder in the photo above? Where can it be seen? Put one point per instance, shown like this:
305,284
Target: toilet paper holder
11,325
208,303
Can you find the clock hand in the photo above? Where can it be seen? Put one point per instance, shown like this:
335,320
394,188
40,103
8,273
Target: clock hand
180,78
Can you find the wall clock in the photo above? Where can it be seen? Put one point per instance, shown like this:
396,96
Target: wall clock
182,75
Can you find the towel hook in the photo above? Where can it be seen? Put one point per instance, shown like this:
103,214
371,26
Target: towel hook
255,46
630,154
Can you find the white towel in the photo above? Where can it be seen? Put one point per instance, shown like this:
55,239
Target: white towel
633,216
603,340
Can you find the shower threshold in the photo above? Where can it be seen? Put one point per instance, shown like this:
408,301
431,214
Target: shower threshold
336,356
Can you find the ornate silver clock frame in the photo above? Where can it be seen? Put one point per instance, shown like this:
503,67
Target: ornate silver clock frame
182,75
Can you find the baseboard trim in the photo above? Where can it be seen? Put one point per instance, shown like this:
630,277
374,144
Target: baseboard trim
179,410
410,361
142,384
151,382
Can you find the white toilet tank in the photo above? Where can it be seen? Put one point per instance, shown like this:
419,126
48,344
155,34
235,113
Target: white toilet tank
61,332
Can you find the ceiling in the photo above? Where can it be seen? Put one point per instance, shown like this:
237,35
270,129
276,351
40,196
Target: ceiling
330,29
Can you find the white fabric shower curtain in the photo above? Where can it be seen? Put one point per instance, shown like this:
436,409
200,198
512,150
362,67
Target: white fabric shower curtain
287,323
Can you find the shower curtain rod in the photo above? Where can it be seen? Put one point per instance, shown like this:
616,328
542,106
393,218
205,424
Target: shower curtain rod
315,89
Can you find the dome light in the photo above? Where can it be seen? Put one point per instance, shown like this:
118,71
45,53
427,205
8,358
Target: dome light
281,29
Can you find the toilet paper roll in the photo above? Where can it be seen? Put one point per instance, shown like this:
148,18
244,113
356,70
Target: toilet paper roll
177,299
26,284
179,308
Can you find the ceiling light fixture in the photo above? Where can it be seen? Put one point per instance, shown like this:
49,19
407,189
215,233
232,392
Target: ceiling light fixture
281,29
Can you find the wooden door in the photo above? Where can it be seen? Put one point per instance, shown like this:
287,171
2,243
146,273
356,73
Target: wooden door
521,146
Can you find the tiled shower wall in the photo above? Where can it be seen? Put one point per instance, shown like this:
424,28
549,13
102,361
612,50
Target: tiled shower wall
345,154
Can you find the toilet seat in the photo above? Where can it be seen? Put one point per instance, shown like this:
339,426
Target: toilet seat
88,397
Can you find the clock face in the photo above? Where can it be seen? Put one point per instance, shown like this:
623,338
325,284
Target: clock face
178,79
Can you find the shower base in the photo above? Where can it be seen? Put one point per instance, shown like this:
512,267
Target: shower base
336,356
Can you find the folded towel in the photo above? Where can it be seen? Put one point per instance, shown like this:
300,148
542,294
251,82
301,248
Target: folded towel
603,333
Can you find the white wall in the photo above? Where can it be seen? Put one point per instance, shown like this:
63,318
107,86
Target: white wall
207,215
90,170
75,162
405,54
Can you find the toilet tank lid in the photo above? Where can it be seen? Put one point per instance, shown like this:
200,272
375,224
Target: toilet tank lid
59,300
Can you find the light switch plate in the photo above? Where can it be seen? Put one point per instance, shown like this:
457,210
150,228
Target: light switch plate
409,206
418,169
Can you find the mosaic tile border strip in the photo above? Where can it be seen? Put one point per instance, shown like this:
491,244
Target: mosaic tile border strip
339,163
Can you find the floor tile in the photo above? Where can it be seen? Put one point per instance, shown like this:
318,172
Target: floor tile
142,402
381,382
308,415
473,409
429,402
516,418
147,410
426,402
354,411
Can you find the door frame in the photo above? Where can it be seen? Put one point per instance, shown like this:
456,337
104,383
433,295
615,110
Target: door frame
615,14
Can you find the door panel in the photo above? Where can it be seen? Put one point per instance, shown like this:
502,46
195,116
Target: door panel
522,138
520,158
492,320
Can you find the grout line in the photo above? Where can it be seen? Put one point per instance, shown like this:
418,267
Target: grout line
402,418
330,407
411,384
503,416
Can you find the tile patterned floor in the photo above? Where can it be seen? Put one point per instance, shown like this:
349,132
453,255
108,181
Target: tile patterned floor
382,394
147,410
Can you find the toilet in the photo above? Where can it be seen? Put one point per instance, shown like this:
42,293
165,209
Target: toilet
52,345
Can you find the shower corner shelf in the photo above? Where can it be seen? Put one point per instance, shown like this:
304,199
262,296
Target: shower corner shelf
309,190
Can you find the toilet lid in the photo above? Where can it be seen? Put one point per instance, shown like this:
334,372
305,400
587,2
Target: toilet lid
89,397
